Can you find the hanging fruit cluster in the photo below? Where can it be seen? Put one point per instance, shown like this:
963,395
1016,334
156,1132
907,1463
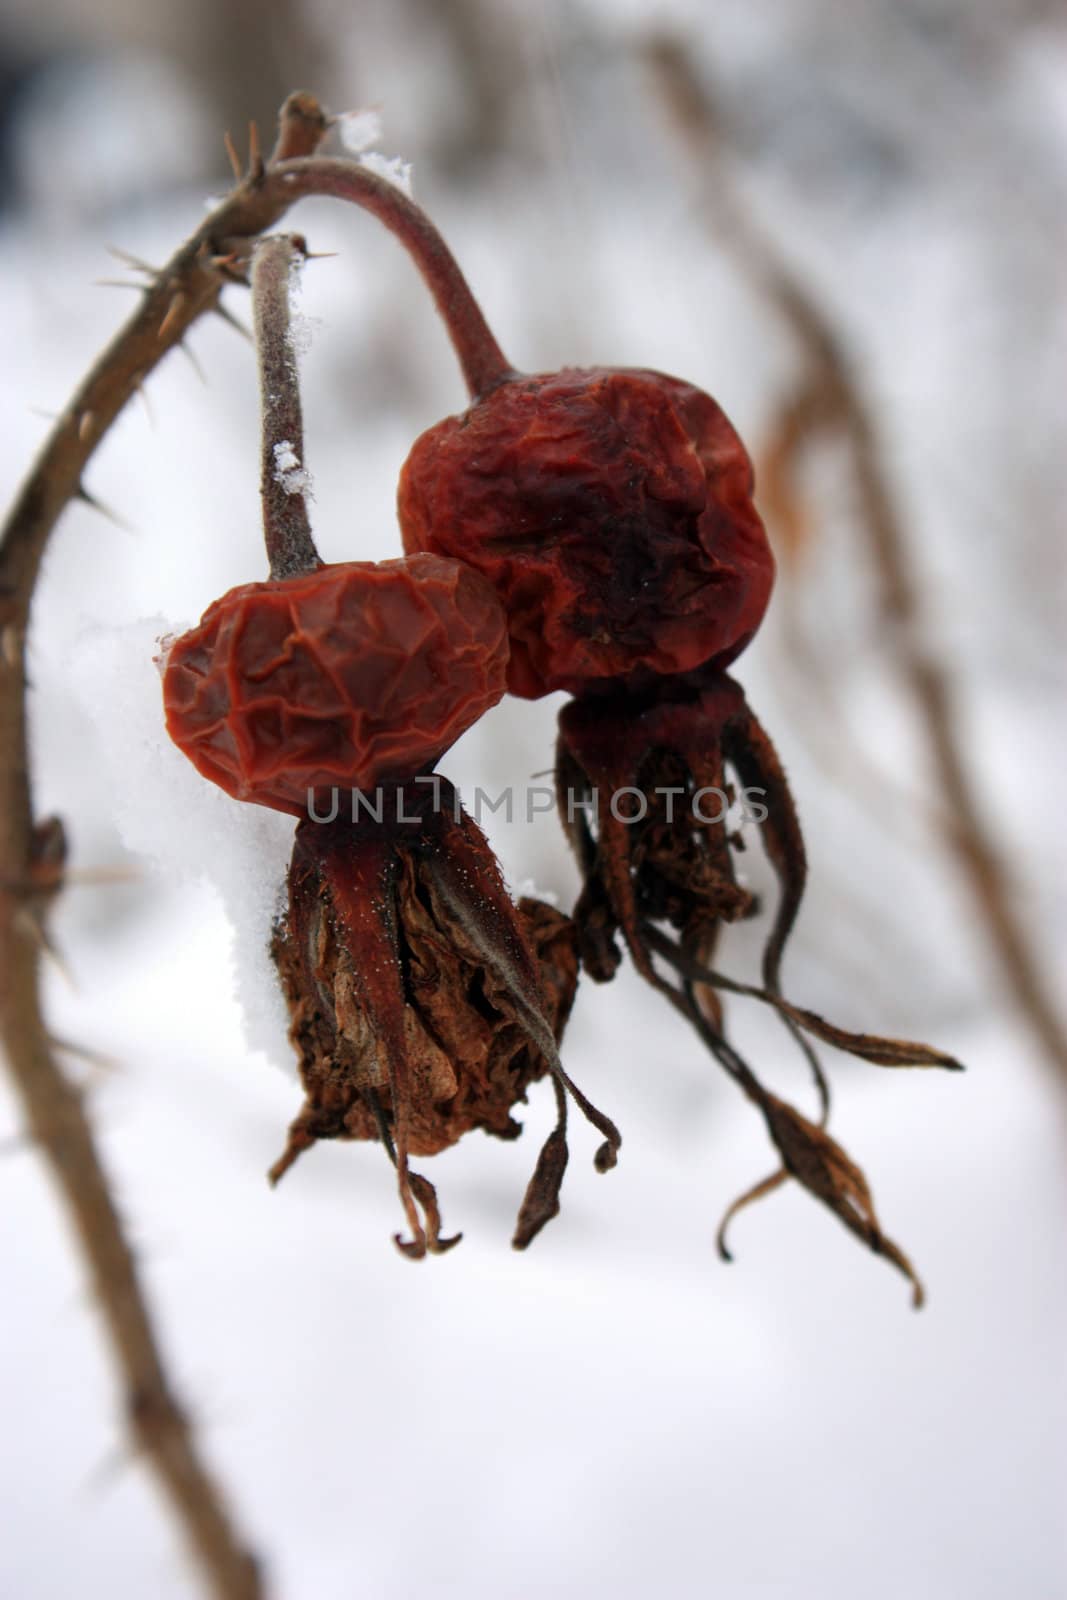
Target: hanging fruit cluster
590,530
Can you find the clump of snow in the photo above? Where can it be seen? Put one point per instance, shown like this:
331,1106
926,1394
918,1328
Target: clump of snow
285,457
293,478
188,829
359,130
528,889
164,645
392,168
302,330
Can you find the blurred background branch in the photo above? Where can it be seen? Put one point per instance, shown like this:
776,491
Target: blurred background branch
829,398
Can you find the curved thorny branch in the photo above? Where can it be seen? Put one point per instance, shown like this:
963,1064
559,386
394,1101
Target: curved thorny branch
31,854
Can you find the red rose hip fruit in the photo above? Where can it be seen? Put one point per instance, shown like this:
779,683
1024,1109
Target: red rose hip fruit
356,674
612,511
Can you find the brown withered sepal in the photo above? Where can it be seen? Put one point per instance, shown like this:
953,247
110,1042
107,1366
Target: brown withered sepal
423,1003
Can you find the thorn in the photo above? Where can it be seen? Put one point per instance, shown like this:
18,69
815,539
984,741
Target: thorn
235,160
233,267
173,314
11,646
321,255
86,423
256,168
48,855
233,322
138,384
120,283
81,493
135,262
229,260
194,361
80,1052
28,924
100,877
52,951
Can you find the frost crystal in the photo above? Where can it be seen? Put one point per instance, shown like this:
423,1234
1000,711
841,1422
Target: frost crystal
392,168
302,331
293,478
360,130
528,889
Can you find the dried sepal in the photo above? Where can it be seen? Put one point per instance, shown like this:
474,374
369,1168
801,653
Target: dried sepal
828,1172
541,1200
426,1195
748,748
813,1158
758,1191
467,877
872,1047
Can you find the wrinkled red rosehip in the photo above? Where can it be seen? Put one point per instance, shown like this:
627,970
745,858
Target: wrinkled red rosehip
356,674
612,512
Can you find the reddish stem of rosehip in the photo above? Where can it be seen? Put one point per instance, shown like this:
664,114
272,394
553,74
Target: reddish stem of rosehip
286,526
481,358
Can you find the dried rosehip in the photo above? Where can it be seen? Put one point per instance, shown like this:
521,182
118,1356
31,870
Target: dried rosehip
611,510
354,675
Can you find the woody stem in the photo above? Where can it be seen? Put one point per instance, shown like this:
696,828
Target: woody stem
286,527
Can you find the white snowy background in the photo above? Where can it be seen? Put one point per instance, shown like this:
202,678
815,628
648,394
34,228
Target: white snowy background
616,1410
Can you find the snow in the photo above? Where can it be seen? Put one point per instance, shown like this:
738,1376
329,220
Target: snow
530,888
615,1409
293,478
393,169
186,829
359,130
